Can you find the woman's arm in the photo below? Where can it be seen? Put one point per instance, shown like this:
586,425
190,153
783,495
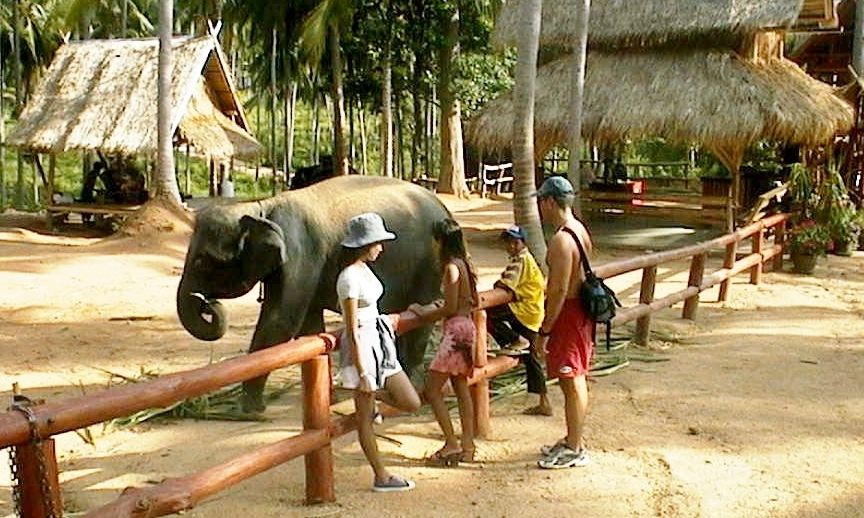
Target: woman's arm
353,329
435,311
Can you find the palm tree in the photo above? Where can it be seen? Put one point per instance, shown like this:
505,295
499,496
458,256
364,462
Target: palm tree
165,187
525,210
323,29
577,92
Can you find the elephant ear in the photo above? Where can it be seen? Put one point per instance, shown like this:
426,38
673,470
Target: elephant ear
262,247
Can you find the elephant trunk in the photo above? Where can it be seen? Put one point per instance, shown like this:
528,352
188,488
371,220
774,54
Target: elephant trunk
204,318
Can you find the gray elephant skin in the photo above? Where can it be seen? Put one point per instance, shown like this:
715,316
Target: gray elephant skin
291,243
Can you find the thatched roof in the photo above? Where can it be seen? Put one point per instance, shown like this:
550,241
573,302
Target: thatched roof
101,94
714,98
629,23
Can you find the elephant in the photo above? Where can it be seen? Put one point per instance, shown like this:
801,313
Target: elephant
291,244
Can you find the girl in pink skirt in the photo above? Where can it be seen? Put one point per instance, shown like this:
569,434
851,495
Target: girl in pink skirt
454,359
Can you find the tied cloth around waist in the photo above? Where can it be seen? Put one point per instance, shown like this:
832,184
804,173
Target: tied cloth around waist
385,350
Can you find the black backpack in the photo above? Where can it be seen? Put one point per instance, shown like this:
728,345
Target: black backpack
598,299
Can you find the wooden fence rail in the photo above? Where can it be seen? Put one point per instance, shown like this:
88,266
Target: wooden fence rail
176,495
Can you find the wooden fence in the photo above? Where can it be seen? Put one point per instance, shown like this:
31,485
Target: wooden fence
29,428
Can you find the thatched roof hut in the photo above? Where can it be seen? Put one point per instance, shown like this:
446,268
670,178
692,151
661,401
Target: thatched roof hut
625,23
101,95
715,98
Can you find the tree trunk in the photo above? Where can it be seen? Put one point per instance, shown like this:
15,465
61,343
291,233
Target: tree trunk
124,18
577,93
290,115
400,156
386,106
316,129
165,186
419,124
364,168
525,211
19,97
858,39
451,179
340,148
273,110
2,138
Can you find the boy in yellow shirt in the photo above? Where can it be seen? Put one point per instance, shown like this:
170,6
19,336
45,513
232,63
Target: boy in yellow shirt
514,325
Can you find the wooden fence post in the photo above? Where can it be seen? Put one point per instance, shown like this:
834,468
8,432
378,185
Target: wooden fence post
480,390
646,296
316,416
779,239
29,460
728,262
697,270
756,270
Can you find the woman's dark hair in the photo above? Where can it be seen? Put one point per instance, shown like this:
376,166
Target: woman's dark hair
448,233
349,256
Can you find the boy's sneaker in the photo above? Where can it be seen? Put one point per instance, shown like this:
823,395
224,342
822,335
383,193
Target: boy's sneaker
565,457
548,450
394,483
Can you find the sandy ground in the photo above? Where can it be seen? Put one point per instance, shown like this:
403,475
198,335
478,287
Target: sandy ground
756,412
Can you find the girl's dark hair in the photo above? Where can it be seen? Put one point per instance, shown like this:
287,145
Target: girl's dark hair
350,255
448,233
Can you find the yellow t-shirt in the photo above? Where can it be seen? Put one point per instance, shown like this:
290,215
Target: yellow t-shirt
524,278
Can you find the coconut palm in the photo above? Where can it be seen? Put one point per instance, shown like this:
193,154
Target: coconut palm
323,29
577,94
165,187
525,210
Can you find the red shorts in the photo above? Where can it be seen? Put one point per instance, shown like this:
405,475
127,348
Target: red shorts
571,342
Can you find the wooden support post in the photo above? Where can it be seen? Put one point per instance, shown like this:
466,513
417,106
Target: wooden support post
646,296
28,463
779,239
756,270
728,263
316,416
480,390
697,270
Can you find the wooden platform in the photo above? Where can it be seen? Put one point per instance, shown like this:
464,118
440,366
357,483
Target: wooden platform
710,210
59,212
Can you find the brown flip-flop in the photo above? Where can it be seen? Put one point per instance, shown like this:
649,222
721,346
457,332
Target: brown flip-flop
538,410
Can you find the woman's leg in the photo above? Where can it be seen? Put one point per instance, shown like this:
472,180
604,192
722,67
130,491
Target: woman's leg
364,402
466,411
435,397
400,393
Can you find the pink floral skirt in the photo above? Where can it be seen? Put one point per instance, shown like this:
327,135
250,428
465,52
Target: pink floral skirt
455,355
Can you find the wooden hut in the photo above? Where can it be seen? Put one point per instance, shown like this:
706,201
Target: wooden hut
709,72
100,95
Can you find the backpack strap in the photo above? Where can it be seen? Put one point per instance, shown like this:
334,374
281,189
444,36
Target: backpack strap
586,265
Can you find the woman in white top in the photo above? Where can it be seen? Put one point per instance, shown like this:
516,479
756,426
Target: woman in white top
368,352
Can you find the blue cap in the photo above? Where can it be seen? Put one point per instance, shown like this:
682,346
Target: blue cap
556,187
514,232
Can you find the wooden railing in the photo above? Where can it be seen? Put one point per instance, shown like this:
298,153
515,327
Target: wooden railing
29,431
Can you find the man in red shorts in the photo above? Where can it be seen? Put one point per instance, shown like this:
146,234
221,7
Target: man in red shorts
567,332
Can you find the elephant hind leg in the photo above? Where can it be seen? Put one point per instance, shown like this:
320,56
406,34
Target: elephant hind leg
252,399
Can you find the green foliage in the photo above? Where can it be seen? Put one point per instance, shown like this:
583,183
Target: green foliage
809,238
479,78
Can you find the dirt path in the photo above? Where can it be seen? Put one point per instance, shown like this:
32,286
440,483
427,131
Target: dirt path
757,410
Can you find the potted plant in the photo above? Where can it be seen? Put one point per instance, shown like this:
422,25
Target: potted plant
844,228
808,240
838,213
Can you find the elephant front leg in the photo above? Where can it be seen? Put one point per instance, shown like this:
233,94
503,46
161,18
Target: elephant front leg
252,399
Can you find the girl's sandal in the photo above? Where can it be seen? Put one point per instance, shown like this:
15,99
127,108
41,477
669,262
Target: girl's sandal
467,455
447,459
